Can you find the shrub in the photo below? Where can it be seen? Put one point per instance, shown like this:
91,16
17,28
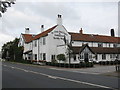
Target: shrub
61,57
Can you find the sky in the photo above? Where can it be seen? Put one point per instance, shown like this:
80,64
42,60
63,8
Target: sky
94,17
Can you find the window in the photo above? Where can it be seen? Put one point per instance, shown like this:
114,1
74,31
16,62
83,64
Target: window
90,56
40,56
114,56
40,41
35,43
44,56
103,56
81,56
100,45
35,56
115,45
96,57
44,41
74,57
52,57
111,55
29,56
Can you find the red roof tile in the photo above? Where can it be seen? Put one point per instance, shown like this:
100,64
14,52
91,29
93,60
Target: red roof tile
44,33
98,50
27,37
94,38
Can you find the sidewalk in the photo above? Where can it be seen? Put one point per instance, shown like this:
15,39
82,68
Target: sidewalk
97,69
108,70
114,74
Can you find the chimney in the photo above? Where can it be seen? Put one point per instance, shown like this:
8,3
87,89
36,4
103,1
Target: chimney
59,20
81,31
42,28
112,33
27,31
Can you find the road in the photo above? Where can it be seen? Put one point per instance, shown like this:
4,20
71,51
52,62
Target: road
16,75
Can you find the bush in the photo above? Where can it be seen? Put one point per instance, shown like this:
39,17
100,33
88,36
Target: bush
66,65
82,64
109,62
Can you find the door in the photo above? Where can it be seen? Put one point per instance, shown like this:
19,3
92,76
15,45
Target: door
86,57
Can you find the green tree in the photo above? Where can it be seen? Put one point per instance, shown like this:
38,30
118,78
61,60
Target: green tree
4,4
11,51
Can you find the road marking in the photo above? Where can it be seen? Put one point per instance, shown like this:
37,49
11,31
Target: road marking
85,83
52,77
12,67
85,72
67,79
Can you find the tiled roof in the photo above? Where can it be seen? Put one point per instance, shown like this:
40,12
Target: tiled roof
99,50
106,50
94,38
44,33
27,37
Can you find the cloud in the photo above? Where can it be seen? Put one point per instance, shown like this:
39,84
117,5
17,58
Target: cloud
93,17
5,39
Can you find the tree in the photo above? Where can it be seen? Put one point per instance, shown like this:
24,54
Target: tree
11,51
4,5
61,57
69,49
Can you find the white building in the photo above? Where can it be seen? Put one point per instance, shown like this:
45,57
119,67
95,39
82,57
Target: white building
57,40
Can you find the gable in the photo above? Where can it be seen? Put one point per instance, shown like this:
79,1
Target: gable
86,49
60,32
27,38
21,41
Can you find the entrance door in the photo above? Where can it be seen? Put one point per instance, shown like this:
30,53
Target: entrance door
86,57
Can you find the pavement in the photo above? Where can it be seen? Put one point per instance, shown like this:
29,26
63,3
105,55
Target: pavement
112,74
97,69
108,70
32,76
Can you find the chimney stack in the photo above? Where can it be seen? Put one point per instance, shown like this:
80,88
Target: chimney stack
59,20
42,28
81,31
112,33
27,31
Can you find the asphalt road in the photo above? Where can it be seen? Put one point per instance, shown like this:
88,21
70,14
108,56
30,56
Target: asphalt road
28,76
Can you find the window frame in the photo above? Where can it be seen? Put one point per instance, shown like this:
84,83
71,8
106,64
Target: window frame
35,56
44,41
44,56
103,56
35,43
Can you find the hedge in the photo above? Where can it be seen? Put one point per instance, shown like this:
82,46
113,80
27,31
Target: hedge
66,65
109,62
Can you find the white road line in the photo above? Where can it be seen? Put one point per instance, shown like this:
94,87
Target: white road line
67,79
85,83
12,67
85,72
52,77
